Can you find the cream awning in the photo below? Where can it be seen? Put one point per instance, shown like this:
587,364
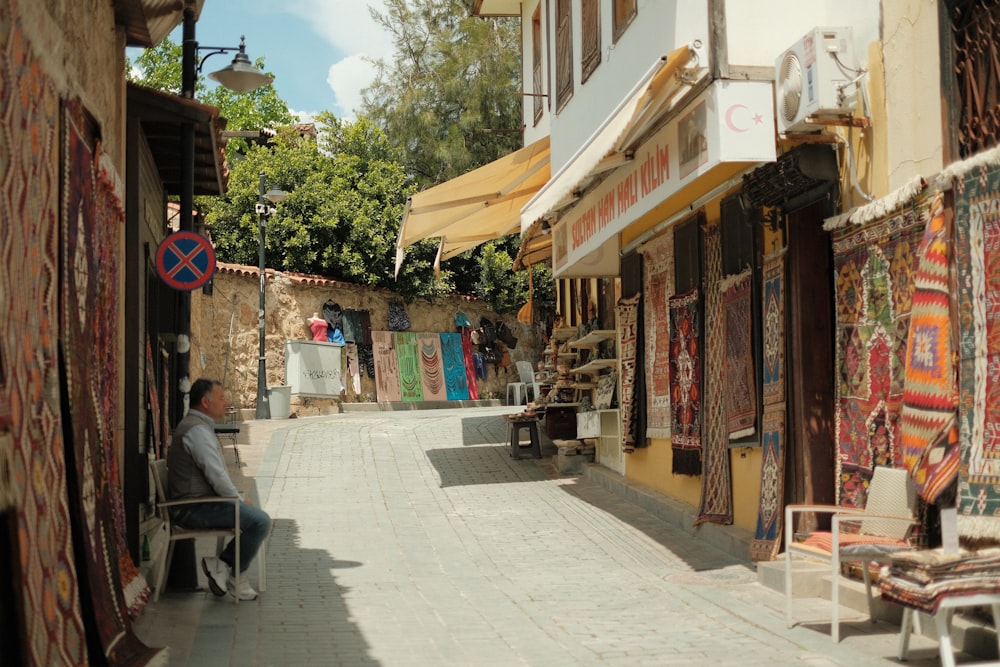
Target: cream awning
476,207
606,149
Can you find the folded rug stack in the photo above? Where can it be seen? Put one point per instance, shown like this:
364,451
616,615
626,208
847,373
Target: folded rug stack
921,579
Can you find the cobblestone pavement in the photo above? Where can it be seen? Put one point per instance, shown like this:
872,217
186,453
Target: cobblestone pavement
412,538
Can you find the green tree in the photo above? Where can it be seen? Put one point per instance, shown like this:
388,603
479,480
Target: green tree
346,192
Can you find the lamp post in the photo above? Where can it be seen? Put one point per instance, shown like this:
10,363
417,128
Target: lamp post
264,209
241,76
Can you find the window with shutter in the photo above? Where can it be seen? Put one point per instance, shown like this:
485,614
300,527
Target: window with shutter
625,11
970,72
591,37
564,54
536,63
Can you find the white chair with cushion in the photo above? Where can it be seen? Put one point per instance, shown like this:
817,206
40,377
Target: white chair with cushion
175,532
884,527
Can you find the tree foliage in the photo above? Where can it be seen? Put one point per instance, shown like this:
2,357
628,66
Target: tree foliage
346,193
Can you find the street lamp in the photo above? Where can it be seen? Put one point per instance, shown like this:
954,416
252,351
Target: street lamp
241,76
264,210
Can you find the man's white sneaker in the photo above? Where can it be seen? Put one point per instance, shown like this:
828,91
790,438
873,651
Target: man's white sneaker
217,572
240,587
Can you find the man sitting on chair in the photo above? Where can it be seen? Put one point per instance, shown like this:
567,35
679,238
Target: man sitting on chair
195,469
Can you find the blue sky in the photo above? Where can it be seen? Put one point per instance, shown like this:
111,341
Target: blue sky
314,48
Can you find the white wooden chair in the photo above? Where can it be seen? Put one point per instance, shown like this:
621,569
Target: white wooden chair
175,532
885,525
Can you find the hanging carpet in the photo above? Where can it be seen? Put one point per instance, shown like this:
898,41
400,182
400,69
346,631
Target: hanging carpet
470,364
774,328
767,537
874,269
740,384
658,264
716,504
977,236
685,382
628,311
410,382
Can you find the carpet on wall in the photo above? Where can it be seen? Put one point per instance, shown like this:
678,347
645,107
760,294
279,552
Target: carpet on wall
387,386
455,373
686,389
658,264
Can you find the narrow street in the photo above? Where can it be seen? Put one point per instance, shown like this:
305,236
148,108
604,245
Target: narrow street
412,538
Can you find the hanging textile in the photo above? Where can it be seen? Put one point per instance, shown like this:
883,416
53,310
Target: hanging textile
455,376
470,364
658,264
716,504
353,367
977,236
48,613
774,328
431,367
874,266
929,439
767,537
628,310
386,361
411,385
740,384
93,222
685,370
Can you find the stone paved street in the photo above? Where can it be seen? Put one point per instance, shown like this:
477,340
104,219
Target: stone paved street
412,538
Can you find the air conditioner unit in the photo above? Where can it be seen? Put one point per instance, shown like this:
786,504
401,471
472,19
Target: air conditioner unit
812,79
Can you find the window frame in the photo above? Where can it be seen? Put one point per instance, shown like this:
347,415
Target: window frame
590,58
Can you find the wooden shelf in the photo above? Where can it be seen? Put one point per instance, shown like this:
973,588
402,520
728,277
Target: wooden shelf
584,385
595,366
563,334
594,338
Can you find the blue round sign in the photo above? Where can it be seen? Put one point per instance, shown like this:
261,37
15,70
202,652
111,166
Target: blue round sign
185,261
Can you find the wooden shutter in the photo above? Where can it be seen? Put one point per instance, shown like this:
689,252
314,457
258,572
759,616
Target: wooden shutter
564,53
591,56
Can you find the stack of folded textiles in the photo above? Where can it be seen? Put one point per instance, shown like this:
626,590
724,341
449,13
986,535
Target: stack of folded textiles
921,579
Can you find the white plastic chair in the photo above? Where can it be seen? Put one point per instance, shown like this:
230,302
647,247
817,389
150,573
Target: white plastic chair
886,522
175,532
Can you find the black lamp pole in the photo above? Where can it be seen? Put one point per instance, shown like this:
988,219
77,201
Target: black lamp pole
263,405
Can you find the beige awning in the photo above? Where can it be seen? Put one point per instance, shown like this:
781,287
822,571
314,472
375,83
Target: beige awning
479,206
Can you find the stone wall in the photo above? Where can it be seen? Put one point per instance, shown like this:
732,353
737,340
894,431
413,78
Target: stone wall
224,330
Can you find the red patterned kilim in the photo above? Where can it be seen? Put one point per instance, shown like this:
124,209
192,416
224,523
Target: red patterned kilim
929,439
45,578
685,382
658,265
716,484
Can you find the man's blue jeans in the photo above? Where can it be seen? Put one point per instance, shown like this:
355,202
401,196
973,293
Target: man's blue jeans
255,525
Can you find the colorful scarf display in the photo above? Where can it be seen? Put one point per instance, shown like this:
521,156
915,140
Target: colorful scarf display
740,382
455,376
716,504
684,357
658,264
874,266
387,387
410,381
977,236
929,439
628,316
431,367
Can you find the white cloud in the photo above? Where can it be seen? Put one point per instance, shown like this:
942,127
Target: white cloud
349,28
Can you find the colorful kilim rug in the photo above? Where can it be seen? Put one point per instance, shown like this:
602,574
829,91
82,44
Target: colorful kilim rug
431,367
929,438
874,267
767,538
456,379
774,328
977,258
658,264
387,388
93,222
685,382
740,384
628,315
410,382
45,578
716,504
470,365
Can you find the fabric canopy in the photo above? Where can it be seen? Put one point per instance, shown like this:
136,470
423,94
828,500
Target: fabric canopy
476,207
608,147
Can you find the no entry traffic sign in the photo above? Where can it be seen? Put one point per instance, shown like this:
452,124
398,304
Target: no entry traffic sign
185,261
